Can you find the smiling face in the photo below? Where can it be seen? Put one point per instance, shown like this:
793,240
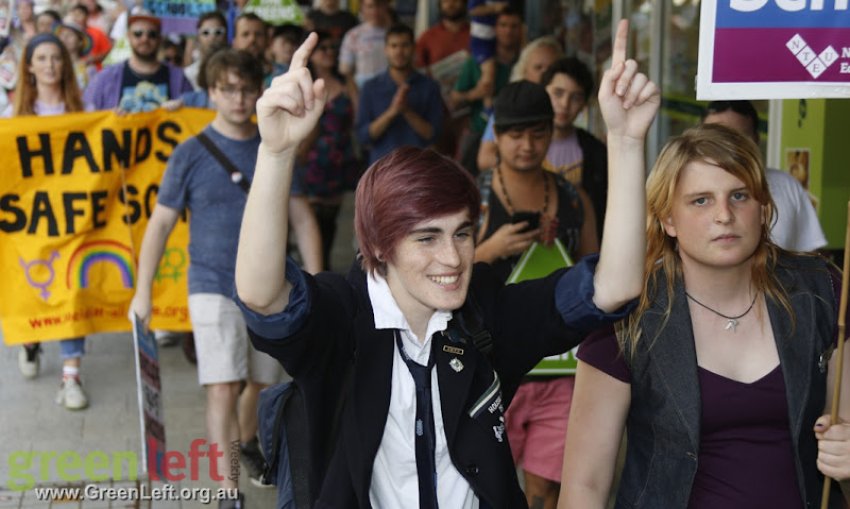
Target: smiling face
430,268
46,64
715,219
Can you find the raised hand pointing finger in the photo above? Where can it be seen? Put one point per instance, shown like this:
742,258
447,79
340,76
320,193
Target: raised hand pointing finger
621,42
627,98
299,61
292,105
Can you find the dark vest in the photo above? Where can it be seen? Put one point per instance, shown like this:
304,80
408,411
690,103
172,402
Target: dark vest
664,418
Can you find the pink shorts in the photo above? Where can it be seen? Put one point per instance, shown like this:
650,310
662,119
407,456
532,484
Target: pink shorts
537,425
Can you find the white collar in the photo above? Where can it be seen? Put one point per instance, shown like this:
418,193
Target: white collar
389,316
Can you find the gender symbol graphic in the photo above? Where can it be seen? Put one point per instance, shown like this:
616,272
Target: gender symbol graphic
173,259
48,266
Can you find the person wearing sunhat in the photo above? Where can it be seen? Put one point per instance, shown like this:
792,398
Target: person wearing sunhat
79,44
142,82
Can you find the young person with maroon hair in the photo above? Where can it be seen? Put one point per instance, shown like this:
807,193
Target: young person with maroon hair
423,350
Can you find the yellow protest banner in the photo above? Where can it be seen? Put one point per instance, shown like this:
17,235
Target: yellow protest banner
75,198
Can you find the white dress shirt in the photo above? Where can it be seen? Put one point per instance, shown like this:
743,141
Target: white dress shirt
395,483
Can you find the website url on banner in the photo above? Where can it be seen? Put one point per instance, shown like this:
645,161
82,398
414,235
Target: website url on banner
76,316
166,492
38,322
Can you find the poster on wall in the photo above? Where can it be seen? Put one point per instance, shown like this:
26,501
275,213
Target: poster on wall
797,165
774,49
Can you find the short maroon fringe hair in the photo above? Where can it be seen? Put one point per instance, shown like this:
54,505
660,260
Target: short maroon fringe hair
400,190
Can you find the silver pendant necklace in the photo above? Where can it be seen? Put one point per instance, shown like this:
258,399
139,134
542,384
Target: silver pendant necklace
732,321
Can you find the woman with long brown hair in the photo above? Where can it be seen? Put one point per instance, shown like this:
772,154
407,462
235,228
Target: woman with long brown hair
46,81
47,86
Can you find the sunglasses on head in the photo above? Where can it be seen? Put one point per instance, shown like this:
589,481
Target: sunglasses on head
218,32
152,34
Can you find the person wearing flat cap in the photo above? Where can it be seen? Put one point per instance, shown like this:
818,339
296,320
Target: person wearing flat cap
519,185
523,205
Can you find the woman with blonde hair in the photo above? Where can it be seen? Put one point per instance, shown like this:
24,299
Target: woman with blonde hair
535,58
720,374
47,86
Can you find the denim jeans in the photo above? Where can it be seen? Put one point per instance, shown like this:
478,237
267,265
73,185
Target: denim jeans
72,348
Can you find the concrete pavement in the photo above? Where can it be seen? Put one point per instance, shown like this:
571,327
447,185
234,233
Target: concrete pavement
32,426
31,422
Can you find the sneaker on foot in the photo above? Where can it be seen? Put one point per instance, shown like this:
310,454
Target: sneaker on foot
237,503
71,394
188,345
28,361
255,464
167,338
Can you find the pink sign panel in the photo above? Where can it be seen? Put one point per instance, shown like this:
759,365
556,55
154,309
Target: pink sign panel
774,49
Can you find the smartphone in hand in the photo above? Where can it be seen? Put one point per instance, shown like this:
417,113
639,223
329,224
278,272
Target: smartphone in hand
532,218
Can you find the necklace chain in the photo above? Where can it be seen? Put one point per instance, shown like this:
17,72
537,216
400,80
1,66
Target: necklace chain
509,204
732,322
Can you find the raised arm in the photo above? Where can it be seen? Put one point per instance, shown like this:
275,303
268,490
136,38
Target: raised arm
629,102
286,113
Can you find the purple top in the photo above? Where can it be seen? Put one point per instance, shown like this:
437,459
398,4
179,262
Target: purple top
745,453
104,90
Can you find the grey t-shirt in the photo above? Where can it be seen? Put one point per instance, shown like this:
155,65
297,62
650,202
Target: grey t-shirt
194,179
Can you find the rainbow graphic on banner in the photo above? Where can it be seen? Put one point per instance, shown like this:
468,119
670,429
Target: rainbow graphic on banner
90,254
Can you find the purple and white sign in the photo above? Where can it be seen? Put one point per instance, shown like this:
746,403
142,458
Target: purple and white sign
774,49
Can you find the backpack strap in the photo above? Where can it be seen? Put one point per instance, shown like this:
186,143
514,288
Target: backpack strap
236,176
471,319
466,325
296,426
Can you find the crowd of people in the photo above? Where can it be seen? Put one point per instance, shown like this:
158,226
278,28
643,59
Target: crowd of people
691,296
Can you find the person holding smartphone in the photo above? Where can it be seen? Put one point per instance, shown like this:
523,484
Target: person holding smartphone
522,203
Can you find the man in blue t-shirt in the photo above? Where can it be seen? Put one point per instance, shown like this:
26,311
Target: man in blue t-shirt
197,180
